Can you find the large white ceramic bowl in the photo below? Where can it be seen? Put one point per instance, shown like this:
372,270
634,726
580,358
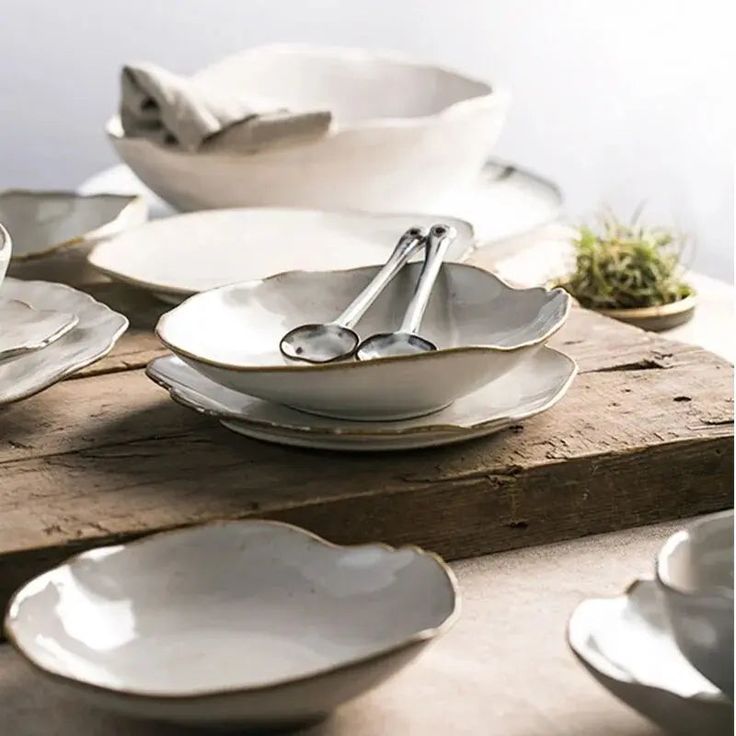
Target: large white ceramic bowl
250,623
482,328
403,134
695,572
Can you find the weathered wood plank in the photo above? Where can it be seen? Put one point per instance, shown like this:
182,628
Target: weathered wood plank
644,434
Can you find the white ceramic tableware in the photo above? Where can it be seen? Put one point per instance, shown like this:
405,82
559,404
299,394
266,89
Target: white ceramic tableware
42,223
695,573
96,331
505,203
482,328
24,329
403,134
6,248
532,387
180,256
248,623
627,645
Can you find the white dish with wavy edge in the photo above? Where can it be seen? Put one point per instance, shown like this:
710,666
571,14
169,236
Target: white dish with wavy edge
183,255
695,572
24,329
482,326
97,329
626,644
248,623
531,388
43,222
403,134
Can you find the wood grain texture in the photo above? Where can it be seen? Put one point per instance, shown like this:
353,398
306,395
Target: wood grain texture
645,434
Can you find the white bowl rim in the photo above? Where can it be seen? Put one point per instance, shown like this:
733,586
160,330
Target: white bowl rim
342,365
308,431
5,240
418,637
114,129
682,536
108,228
574,642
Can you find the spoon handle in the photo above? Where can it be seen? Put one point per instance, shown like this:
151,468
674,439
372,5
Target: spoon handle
408,244
439,240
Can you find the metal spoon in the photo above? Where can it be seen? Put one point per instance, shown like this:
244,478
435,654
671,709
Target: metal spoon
406,341
324,343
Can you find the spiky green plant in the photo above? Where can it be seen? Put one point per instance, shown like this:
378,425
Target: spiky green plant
626,265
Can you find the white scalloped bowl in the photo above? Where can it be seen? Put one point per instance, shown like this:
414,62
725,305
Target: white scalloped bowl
254,623
482,327
403,135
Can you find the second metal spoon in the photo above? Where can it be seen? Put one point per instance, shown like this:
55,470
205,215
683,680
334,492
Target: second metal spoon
407,341
324,343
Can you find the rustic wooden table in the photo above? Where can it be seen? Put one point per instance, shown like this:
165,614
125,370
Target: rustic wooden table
645,434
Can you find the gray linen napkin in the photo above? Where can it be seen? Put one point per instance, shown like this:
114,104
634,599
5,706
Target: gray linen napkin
175,110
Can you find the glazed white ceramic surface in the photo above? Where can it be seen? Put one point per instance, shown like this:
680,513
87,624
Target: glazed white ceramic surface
44,222
403,134
532,387
627,645
96,331
249,623
6,248
24,329
503,203
482,326
183,255
695,573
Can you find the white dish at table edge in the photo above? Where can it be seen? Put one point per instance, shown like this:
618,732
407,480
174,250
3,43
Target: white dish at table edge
44,222
626,644
695,573
403,134
182,255
157,627
473,416
483,328
96,332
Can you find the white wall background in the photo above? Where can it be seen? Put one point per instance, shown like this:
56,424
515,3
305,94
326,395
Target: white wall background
620,101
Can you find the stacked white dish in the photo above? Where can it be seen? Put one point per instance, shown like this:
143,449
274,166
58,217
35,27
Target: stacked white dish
491,369
47,331
665,647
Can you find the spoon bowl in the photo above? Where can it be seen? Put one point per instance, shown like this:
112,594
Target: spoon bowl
319,343
391,344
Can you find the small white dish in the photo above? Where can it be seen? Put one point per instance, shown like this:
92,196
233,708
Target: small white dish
96,331
403,134
252,624
42,223
695,573
627,645
24,329
183,255
503,203
531,388
482,327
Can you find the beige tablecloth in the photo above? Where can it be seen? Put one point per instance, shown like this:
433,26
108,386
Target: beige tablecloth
504,669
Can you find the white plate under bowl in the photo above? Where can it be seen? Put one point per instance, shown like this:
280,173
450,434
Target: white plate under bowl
186,254
503,203
531,388
247,623
96,331
482,327
627,645
42,223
